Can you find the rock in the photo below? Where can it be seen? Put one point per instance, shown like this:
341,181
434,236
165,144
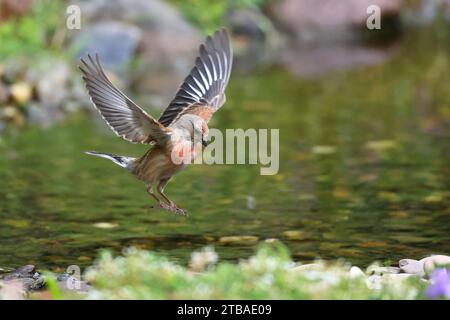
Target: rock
257,41
324,150
381,145
356,272
202,260
430,263
236,240
14,8
328,20
374,281
21,92
307,267
50,105
411,266
12,290
22,272
4,93
308,61
105,225
114,42
294,235
70,283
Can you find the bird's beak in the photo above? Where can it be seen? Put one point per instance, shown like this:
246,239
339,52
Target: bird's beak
204,142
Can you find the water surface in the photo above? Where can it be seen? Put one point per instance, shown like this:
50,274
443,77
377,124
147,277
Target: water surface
364,167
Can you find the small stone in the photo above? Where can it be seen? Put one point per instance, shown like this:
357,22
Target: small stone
21,92
3,93
397,277
233,240
251,202
380,145
104,225
411,266
294,234
12,114
430,263
356,272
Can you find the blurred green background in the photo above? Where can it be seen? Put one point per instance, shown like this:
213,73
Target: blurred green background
363,118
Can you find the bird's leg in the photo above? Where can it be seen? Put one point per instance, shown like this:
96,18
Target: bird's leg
173,206
160,202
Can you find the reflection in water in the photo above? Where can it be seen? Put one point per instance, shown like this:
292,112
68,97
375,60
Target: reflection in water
362,176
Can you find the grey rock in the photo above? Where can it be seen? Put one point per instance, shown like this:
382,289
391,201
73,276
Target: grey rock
115,43
411,266
258,40
22,272
167,45
430,263
356,272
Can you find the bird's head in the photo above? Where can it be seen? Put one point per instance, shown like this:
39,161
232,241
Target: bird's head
194,128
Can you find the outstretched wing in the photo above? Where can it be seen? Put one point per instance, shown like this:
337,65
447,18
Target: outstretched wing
124,117
203,90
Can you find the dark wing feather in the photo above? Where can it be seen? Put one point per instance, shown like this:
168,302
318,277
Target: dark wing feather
124,117
205,85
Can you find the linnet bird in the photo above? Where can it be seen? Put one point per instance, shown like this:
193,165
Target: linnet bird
176,138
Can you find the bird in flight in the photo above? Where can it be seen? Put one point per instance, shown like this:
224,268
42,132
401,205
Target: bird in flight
176,138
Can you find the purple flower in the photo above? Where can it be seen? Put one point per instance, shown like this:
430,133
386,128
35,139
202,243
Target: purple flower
440,287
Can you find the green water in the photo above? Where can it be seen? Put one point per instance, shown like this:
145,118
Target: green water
364,174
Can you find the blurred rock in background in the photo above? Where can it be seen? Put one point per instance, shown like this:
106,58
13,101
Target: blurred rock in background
328,20
14,8
153,32
256,41
148,46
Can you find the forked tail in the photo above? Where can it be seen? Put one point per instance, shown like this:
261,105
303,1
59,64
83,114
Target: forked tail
124,162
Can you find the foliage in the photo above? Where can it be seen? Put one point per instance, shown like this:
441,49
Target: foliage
269,274
207,14
33,33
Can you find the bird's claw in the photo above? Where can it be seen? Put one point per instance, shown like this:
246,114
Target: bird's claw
173,208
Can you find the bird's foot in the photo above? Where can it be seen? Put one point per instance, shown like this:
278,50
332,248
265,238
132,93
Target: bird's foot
177,210
172,208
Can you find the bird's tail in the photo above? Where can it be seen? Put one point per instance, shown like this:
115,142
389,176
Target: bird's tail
124,162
